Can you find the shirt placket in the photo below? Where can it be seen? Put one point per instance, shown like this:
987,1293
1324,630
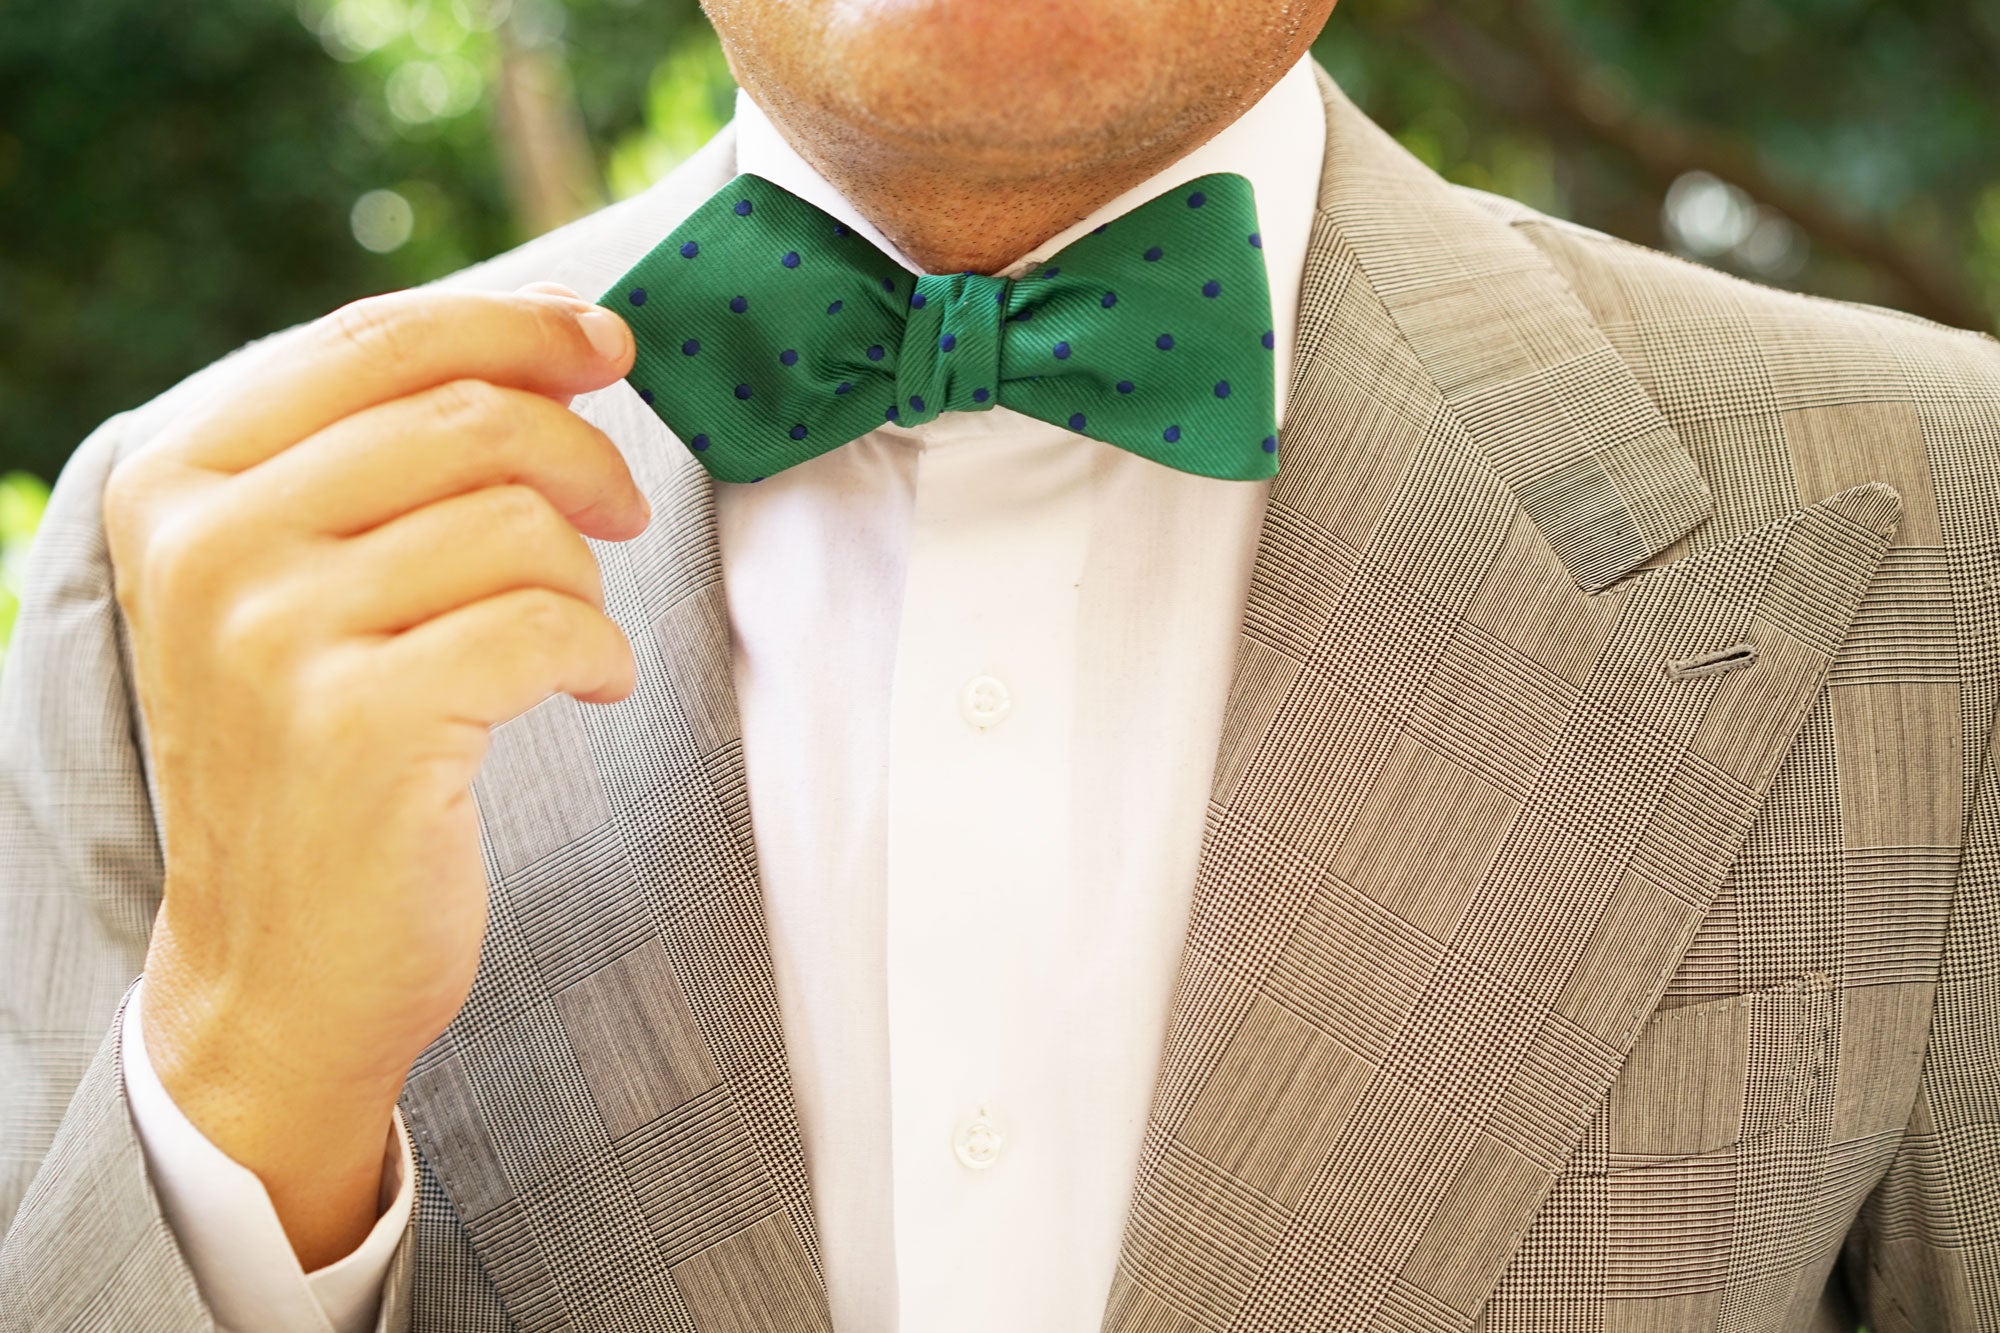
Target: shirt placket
980,865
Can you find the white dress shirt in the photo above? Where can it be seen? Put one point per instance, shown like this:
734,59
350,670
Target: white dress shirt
981,667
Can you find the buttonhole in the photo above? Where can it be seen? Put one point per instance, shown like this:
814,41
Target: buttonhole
1732,658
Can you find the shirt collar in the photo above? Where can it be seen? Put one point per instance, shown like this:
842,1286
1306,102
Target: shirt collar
1277,145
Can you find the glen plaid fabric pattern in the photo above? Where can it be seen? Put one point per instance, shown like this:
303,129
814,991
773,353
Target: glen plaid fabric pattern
1531,985
1873,1069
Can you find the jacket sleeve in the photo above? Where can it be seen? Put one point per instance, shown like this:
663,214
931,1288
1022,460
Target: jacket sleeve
1924,1256
86,1244
80,877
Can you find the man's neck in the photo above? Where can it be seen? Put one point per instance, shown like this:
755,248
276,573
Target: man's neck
952,222
969,133
958,207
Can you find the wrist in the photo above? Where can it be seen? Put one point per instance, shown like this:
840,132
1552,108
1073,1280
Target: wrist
221,1035
234,1085
314,1131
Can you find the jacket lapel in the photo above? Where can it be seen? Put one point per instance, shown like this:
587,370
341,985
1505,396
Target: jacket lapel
610,1114
1481,774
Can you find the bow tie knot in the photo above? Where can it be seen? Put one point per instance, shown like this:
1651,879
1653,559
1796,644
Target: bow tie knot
950,359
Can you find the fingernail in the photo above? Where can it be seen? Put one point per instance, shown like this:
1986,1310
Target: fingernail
607,333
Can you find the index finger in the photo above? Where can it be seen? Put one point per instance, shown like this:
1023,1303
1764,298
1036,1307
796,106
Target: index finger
387,347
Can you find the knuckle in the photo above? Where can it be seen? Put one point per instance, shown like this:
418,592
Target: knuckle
181,565
468,406
554,331
256,635
569,557
592,575
522,512
124,488
616,647
140,486
343,695
543,617
377,327
123,508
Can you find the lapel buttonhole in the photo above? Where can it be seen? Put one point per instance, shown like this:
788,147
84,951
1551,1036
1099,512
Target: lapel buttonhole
1732,658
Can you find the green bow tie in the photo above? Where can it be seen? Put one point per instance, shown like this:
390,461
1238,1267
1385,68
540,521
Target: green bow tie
769,333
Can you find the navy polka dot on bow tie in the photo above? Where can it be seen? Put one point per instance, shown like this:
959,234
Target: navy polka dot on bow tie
947,342
892,413
699,442
798,432
790,259
1211,288
1061,351
916,402
1222,388
981,395
1125,386
789,356
1197,199
690,250
1108,300
875,352
1153,255
918,300
646,396
1165,342
742,208
1270,340
1171,434
833,309
742,391
1270,444
692,347
638,296
1076,421
842,387
739,304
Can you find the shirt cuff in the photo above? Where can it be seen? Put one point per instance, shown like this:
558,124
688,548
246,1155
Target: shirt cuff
230,1234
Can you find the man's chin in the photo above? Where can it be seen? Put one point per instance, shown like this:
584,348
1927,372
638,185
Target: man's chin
1003,83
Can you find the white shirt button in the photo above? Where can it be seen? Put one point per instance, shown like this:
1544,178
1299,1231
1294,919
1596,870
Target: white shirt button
985,702
978,1140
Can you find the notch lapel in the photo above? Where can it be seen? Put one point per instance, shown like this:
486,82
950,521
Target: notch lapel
610,1115
1465,820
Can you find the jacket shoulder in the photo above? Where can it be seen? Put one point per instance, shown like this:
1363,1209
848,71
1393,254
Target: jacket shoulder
1667,307
1770,389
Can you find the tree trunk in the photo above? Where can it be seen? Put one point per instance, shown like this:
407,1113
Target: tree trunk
550,171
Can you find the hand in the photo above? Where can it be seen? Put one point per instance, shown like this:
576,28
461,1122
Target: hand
339,574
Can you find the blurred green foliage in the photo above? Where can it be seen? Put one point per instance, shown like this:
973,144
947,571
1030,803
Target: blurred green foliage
179,177
1859,139
23,497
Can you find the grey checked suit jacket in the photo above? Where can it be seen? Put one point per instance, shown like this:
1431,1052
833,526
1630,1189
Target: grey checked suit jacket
1598,917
